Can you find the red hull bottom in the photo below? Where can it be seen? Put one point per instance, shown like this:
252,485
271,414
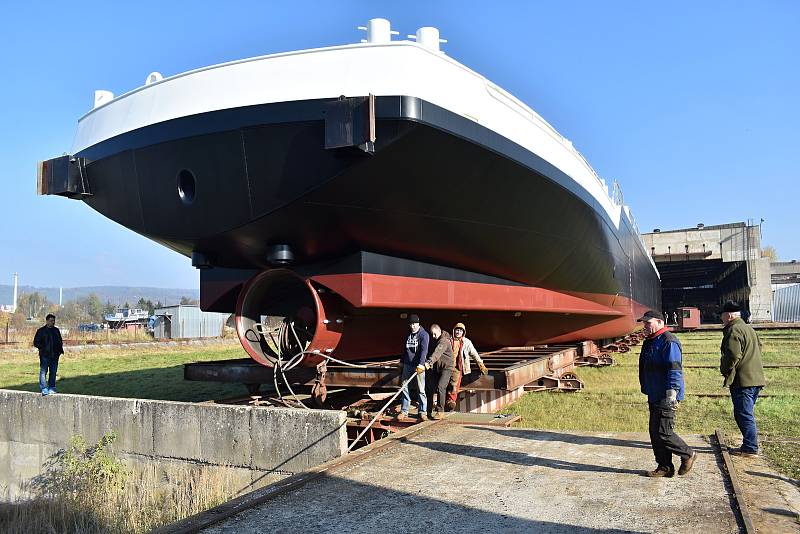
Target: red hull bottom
364,315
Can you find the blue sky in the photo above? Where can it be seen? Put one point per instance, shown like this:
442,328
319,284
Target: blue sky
692,106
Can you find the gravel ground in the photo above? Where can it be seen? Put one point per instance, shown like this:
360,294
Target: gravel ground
469,478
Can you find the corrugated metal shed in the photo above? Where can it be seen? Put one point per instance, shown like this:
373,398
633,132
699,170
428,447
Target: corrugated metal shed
786,304
187,321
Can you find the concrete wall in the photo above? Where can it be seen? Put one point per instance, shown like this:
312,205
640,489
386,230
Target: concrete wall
760,298
728,242
785,272
256,446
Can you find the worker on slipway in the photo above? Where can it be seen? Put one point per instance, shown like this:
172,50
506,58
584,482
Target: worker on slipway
464,350
740,365
413,361
661,379
441,363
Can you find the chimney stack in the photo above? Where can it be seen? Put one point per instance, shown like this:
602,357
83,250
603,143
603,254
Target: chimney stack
14,303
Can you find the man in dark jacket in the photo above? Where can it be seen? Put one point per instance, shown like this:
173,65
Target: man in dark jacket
740,365
413,361
48,341
441,363
661,379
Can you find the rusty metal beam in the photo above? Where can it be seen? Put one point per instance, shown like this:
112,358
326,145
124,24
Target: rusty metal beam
508,370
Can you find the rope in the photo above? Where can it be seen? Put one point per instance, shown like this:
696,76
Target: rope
295,360
377,415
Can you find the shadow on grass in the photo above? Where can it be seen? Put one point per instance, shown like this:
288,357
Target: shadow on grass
160,383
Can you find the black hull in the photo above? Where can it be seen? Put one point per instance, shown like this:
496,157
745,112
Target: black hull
439,188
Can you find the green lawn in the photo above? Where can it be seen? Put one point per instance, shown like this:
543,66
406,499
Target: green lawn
137,372
611,400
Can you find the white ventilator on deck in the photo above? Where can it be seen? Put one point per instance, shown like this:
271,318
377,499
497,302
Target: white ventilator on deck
428,36
378,31
152,78
102,96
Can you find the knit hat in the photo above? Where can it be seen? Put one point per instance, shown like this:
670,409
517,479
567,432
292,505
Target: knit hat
461,326
413,318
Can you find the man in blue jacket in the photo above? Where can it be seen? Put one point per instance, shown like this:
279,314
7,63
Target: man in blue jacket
413,361
661,379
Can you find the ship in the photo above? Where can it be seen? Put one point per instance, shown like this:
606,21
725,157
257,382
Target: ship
127,316
335,191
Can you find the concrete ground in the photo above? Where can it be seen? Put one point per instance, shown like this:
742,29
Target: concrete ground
471,478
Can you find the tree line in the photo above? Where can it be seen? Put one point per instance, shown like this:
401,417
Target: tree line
89,309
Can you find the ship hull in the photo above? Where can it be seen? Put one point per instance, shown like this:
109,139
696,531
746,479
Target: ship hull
464,205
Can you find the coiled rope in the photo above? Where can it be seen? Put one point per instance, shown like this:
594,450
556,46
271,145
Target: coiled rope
282,345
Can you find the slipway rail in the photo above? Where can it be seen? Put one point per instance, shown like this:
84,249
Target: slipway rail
509,368
737,491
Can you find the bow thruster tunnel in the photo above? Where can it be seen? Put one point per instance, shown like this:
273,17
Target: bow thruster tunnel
280,313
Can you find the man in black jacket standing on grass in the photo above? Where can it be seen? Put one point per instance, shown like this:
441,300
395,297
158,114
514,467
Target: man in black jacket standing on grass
48,341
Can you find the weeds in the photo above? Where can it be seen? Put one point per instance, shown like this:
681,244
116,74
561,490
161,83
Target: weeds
87,489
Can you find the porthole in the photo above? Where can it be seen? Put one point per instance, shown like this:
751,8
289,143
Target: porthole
187,186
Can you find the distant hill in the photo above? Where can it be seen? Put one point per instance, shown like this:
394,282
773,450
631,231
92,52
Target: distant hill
118,295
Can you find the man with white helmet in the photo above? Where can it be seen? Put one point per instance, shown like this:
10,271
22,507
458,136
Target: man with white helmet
463,350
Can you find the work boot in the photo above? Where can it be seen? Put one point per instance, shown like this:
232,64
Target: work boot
661,471
402,417
437,415
744,454
687,463
450,406
422,416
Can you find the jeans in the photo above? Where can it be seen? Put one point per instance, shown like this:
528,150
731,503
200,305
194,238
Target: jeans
744,401
663,437
47,364
409,370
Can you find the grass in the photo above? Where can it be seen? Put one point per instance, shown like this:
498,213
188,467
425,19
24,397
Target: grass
149,498
145,372
611,400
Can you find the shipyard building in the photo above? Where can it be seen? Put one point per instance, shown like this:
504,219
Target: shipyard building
704,266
